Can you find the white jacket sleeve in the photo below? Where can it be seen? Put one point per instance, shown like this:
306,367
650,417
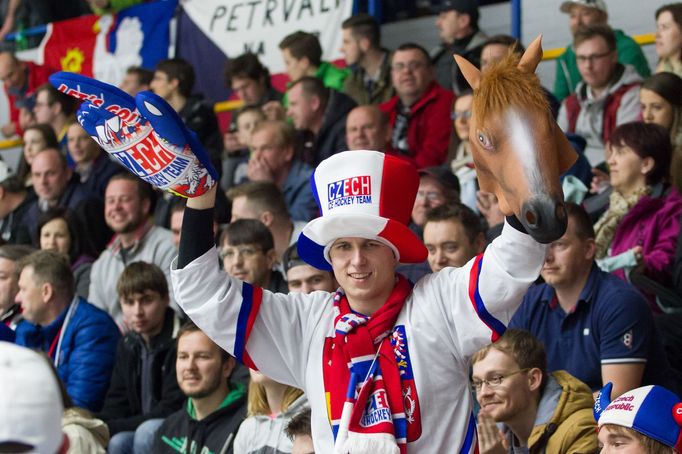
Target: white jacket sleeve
271,331
475,303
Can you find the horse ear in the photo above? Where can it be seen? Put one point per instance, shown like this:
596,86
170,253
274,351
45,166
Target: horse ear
532,56
566,153
602,401
471,73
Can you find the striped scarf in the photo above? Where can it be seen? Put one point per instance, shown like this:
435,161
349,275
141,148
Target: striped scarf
363,381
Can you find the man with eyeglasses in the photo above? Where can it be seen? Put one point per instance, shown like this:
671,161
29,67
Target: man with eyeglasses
538,412
607,97
419,113
247,251
592,12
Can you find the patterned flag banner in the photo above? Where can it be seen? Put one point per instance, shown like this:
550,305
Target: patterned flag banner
238,26
105,46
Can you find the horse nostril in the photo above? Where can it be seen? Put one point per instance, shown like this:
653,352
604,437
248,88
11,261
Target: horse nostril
560,212
531,218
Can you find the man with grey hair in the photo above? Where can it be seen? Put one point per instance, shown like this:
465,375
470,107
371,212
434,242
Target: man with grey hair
80,338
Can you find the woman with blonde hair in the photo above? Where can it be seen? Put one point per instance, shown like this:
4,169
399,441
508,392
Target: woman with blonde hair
270,407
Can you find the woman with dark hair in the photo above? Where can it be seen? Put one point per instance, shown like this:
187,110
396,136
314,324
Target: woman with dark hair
640,228
661,101
669,38
36,138
59,230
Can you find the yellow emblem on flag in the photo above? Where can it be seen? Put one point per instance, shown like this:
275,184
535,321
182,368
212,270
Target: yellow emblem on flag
73,60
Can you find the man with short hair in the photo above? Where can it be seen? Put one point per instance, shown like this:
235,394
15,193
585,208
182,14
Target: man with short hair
592,12
173,81
93,166
78,337
370,81
215,406
56,109
607,97
453,235
246,76
538,412
264,201
437,186
319,113
55,185
20,80
136,79
299,432
273,160
419,113
143,387
248,253
302,55
304,278
594,325
457,25
15,201
10,255
367,129
128,203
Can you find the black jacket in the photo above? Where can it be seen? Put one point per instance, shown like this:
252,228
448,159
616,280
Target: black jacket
180,432
123,403
331,138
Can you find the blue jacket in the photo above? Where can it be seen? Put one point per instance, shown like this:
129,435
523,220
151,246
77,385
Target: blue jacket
86,352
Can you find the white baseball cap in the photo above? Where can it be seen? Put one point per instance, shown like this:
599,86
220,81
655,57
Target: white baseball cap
31,405
597,4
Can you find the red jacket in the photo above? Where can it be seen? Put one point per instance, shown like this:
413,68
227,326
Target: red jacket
428,132
36,76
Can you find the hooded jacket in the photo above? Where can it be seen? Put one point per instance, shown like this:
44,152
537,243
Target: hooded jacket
564,422
595,119
182,433
263,433
380,91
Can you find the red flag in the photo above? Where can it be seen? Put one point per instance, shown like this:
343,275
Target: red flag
70,44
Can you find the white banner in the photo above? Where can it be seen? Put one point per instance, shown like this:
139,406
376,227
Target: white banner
258,26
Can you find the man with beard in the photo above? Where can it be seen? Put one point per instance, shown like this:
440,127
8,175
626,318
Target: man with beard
215,407
128,202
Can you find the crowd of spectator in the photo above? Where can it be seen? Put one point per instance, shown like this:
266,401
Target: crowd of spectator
86,248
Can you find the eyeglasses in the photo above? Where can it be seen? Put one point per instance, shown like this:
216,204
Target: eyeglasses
244,252
412,66
582,59
494,381
465,114
431,196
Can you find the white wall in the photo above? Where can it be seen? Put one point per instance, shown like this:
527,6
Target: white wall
539,17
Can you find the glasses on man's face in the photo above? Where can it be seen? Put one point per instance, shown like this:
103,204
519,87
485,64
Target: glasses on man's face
430,196
495,381
246,252
582,59
463,114
411,66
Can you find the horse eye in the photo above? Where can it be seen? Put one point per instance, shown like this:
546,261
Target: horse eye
484,141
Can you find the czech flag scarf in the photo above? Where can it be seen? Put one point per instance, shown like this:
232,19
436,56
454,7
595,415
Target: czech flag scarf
363,380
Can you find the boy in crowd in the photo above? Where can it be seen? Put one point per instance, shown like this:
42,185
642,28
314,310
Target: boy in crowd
143,387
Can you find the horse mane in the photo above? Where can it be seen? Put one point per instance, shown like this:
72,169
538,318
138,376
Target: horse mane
504,85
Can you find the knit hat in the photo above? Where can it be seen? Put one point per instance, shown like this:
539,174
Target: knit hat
30,401
364,194
650,410
597,4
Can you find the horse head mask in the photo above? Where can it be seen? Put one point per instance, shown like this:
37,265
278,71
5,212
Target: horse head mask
518,149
